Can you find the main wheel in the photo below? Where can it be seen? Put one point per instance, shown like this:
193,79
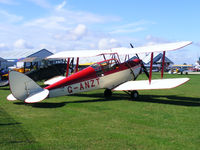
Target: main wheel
107,93
134,95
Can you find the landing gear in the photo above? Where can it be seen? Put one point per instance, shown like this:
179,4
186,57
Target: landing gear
107,93
134,95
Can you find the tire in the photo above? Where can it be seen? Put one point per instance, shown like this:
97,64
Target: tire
134,95
107,93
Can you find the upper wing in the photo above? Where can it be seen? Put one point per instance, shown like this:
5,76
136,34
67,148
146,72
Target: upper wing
155,84
153,48
78,53
120,51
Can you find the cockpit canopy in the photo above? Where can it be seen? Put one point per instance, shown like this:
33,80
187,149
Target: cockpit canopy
105,66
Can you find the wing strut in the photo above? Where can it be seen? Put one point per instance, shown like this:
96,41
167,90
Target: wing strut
77,63
118,57
67,71
104,57
163,64
151,67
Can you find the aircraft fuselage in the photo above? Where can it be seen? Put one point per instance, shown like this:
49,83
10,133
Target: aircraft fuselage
106,74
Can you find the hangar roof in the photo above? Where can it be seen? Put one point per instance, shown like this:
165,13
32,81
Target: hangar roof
157,59
17,54
2,60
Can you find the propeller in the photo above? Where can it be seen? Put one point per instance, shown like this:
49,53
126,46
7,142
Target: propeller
142,64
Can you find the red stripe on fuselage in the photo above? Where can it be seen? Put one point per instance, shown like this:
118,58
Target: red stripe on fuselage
85,74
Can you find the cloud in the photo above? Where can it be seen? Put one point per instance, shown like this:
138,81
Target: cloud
60,6
107,43
182,56
3,46
8,2
81,16
74,34
151,40
9,18
51,22
138,29
41,3
137,26
64,19
196,44
67,29
21,44
79,31
61,29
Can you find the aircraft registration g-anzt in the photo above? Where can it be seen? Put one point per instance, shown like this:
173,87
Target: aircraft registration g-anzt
110,74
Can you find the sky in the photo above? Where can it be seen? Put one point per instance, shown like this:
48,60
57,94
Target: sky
87,24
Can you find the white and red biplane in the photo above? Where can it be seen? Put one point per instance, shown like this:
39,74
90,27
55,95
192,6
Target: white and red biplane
109,74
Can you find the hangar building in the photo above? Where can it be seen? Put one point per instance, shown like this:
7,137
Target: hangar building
16,57
2,63
157,61
36,58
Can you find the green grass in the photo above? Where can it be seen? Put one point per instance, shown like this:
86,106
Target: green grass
160,119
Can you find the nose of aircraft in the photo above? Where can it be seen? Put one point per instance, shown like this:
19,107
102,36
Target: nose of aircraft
137,60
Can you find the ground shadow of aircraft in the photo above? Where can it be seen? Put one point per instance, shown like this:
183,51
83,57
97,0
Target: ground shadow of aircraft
5,88
98,97
13,132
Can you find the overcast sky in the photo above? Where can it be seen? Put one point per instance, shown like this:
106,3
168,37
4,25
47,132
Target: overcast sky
59,25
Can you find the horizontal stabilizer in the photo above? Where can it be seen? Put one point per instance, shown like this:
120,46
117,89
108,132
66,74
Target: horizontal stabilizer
10,97
37,97
54,80
155,84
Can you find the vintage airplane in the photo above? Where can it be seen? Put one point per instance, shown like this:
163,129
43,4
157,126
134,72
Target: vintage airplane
109,74
3,77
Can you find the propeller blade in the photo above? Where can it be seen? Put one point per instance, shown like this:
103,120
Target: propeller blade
145,70
142,65
133,47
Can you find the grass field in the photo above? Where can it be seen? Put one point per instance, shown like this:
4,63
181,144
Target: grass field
160,119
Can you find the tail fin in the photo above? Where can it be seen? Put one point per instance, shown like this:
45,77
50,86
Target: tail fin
25,89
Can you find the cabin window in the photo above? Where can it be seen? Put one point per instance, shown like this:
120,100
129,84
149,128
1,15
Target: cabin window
105,66
109,65
98,69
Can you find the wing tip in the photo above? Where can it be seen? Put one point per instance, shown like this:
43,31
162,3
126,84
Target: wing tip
10,97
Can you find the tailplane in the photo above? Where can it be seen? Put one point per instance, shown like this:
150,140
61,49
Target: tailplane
25,89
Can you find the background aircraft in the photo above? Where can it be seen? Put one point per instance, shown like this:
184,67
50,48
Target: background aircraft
3,77
110,74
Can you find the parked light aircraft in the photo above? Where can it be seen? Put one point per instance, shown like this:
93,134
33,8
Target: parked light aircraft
3,77
109,74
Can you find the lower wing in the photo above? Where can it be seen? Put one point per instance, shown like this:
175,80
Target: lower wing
155,84
54,80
